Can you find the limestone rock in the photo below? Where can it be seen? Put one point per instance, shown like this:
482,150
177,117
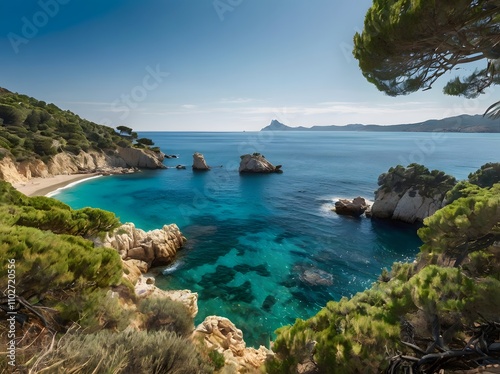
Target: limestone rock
355,207
63,163
199,162
141,158
257,163
9,172
146,288
155,247
221,334
411,194
133,269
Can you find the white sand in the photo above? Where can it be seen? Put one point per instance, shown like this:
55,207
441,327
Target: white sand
44,186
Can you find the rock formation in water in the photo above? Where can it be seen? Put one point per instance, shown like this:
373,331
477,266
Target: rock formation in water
199,162
355,207
155,247
411,194
221,334
257,163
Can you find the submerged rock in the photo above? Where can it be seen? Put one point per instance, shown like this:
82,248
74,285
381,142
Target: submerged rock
314,276
199,162
355,207
268,303
257,163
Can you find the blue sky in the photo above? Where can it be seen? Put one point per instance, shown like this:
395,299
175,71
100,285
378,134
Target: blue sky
203,65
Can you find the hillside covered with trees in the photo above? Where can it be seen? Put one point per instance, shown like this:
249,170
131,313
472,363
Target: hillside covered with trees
32,128
39,139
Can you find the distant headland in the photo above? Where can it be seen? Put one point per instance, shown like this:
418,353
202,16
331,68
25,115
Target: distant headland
463,123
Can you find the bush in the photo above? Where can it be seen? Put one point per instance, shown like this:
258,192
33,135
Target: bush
95,310
10,115
125,352
166,314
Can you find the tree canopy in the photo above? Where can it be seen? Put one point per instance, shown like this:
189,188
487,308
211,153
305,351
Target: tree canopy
407,45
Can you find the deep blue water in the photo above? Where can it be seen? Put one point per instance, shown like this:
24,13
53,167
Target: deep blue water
253,240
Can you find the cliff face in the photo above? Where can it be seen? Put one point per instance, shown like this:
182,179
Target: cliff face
84,162
410,194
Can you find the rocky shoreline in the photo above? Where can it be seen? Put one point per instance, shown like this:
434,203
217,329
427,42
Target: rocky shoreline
408,194
140,252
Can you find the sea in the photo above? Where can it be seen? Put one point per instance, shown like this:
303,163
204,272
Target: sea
264,250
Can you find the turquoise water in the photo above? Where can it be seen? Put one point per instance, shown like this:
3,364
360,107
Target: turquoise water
264,250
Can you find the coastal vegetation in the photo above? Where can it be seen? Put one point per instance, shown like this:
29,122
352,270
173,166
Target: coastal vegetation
73,307
32,129
417,313
406,46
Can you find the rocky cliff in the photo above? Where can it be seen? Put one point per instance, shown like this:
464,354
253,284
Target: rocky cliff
84,162
411,194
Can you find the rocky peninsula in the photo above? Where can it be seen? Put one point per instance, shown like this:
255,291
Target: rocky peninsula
410,194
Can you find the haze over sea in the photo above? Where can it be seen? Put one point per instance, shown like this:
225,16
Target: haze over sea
256,243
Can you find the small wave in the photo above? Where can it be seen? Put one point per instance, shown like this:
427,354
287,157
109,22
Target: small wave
72,184
172,268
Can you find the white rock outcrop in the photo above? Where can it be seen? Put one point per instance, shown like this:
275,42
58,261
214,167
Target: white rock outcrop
221,334
410,207
411,194
257,163
141,158
155,247
199,162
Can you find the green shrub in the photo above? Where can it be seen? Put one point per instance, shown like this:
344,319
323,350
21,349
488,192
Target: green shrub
166,314
125,352
95,310
217,359
10,115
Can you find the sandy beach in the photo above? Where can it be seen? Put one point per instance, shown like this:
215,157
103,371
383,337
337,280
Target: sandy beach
44,186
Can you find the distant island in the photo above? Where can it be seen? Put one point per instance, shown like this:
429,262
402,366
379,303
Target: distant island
463,123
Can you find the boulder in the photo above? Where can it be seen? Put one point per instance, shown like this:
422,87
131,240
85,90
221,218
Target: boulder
199,162
257,163
355,207
155,247
411,194
219,333
145,288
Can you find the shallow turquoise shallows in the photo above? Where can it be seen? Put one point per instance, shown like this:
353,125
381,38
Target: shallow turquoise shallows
264,250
